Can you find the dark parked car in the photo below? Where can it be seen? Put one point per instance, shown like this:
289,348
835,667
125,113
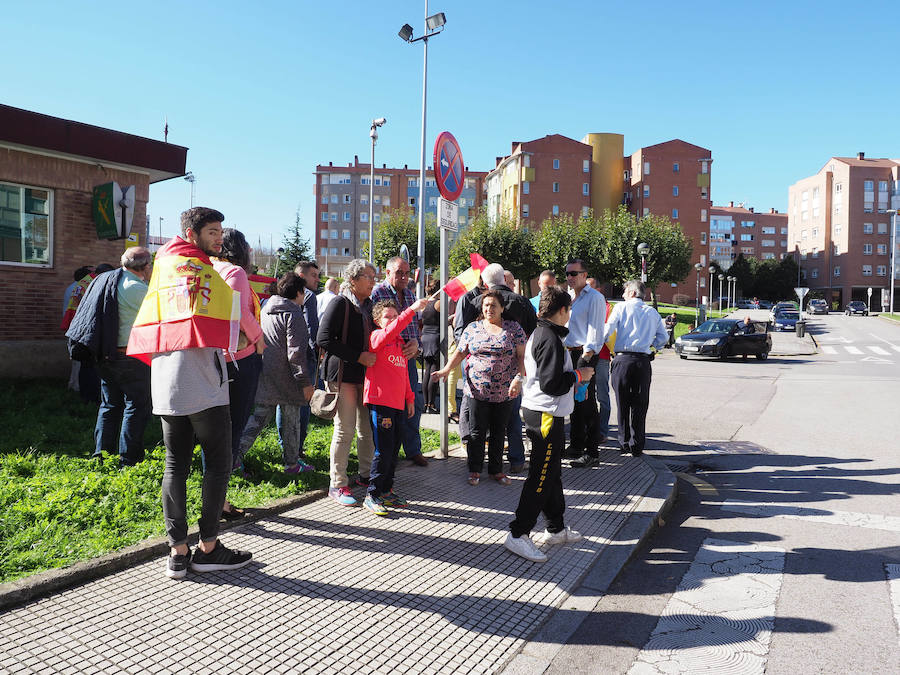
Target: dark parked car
722,338
782,306
856,307
786,319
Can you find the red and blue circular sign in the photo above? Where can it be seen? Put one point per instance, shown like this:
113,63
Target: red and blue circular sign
449,169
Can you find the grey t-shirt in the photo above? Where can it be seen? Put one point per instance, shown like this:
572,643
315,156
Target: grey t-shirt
188,381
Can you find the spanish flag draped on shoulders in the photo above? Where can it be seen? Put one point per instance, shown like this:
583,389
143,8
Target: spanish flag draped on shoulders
188,305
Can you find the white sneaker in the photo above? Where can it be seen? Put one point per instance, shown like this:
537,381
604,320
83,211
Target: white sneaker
566,536
524,547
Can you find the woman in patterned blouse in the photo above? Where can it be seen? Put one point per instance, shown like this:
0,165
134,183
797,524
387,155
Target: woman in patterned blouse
493,375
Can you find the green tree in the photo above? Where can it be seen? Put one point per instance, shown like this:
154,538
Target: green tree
400,226
295,248
500,242
670,250
560,238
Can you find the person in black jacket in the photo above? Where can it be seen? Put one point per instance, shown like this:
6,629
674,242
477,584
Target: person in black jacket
515,308
347,360
547,397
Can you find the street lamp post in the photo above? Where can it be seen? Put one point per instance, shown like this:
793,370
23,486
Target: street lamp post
373,133
893,213
721,278
797,244
731,292
643,250
434,24
160,230
698,267
712,275
190,178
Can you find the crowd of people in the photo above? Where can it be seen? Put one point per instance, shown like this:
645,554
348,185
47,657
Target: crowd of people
522,361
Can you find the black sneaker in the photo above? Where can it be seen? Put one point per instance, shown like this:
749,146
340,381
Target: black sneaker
220,558
585,461
177,565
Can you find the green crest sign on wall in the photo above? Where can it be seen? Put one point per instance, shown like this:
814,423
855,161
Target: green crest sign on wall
103,209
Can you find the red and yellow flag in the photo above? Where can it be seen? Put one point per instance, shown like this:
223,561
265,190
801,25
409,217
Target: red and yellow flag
457,287
260,284
188,305
75,300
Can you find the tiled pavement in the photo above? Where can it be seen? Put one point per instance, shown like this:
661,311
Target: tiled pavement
430,589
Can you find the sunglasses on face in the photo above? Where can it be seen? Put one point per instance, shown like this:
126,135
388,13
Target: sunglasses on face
574,273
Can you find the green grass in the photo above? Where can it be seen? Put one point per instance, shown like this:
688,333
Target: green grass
686,316
58,507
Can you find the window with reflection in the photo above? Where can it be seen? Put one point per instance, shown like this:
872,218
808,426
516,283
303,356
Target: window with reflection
25,225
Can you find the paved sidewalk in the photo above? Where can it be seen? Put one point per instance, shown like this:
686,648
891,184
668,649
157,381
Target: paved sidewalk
430,589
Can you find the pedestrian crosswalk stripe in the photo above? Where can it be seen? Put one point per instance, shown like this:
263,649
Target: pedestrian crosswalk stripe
829,349
893,577
879,350
872,521
853,350
721,616
896,348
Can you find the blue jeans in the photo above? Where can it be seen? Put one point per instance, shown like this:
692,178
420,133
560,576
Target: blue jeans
125,401
601,377
409,430
303,420
516,448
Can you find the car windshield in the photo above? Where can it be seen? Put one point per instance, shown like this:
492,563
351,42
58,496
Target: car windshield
714,327
788,315
857,303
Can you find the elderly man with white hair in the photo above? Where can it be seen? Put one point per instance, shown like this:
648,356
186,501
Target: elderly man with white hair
639,328
515,308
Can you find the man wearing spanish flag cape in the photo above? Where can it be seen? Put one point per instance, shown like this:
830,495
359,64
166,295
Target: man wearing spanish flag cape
188,317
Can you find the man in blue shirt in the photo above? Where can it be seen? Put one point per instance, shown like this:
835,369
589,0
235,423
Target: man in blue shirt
395,287
584,342
638,328
545,280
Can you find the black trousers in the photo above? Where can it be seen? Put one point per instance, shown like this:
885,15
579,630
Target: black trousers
584,422
542,491
630,376
487,418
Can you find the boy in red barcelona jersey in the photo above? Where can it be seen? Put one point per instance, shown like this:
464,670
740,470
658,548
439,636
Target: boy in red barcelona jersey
388,394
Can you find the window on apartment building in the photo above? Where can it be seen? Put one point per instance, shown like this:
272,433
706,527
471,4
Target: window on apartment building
430,182
323,234
646,168
334,199
747,250
348,199
585,189
325,178
526,213
674,190
365,180
676,167
347,215
364,199
363,235
346,251
586,166
768,242
803,274
555,163
526,188
746,237
867,249
412,182
323,250
646,211
386,201
837,270
815,273
325,216
867,228
364,217
556,187
868,186
835,249
783,243
882,228
703,238
324,199
702,282
345,180
411,201
585,211
646,191
768,256
556,209
333,235
674,214
432,201
704,166
803,234
881,249
386,181
333,215
881,270
867,270
768,230
815,232
748,223
462,201
345,234
377,218
704,193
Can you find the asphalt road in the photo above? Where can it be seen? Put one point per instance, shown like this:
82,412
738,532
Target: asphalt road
782,554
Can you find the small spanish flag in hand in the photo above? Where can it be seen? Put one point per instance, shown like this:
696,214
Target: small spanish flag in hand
457,287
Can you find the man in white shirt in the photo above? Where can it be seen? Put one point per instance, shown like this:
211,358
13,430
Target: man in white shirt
584,342
332,286
639,328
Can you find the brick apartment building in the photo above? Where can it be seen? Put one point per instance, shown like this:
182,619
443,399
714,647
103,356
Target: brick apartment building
48,169
735,229
342,205
673,179
839,224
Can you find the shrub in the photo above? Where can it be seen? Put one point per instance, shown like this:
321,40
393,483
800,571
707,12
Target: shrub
682,299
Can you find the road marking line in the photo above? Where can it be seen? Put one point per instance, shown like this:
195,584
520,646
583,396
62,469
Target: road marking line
853,350
879,350
872,521
829,350
721,616
893,578
896,348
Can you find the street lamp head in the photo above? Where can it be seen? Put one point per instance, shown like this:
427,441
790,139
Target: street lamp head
279,251
435,21
189,177
698,266
643,249
379,122
721,277
406,32
712,268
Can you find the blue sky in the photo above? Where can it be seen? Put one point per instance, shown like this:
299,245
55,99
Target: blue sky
262,92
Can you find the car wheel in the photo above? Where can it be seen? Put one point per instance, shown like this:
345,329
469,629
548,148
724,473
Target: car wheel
683,356
723,354
762,356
